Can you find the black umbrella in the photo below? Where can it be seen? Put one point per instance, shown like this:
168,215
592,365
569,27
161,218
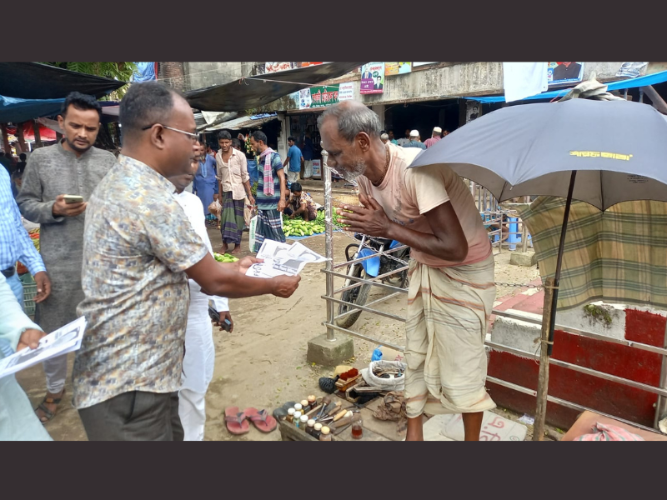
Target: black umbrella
599,152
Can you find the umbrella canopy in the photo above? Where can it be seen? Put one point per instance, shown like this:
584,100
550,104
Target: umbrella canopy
618,148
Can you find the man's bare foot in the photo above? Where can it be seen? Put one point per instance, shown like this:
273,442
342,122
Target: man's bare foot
48,408
237,250
224,248
415,429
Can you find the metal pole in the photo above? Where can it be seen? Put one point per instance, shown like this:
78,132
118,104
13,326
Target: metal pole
661,405
328,241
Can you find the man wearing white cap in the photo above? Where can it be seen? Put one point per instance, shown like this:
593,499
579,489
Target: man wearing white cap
437,132
414,141
384,138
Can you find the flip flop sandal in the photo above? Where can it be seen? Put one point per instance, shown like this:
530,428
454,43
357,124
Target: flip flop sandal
281,412
261,420
236,421
48,414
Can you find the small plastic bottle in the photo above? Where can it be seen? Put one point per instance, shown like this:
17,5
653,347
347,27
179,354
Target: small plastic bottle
305,406
317,430
325,434
298,407
290,415
311,427
297,418
312,402
303,423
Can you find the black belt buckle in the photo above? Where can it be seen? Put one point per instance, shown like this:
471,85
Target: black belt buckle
9,272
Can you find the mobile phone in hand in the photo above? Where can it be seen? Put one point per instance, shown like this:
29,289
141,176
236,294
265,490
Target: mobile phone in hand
71,198
215,315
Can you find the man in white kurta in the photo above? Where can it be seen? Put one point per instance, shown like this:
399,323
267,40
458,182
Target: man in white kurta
199,358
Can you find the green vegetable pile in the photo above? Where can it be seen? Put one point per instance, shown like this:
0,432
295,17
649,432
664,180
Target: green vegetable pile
299,227
227,258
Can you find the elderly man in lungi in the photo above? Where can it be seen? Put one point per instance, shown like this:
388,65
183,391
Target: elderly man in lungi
451,290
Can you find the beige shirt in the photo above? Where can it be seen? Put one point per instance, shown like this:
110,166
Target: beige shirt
406,194
233,174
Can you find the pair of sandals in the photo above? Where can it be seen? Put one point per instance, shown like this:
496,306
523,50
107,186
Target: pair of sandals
48,414
237,421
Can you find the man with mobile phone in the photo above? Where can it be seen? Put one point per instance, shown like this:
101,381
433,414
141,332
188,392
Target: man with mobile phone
199,360
53,176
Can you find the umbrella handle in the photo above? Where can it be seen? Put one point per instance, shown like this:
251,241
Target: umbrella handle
559,261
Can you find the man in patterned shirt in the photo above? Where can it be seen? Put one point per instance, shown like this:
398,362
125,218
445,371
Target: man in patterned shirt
139,250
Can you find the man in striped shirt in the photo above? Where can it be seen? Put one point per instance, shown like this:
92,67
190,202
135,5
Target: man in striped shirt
271,192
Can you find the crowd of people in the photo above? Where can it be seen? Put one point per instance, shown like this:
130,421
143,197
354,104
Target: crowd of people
134,258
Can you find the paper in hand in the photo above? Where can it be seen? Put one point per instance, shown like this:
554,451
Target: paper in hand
64,340
281,258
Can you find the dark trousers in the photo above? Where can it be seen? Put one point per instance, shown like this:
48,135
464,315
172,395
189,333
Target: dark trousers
134,416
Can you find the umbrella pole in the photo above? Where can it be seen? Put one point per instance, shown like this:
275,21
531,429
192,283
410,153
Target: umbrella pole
548,322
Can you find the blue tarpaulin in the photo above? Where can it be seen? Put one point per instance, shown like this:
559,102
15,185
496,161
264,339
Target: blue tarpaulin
642,81
15,110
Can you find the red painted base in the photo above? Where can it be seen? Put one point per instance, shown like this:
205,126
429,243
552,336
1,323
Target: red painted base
604,396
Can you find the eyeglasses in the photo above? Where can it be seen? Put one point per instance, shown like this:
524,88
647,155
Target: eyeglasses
193,137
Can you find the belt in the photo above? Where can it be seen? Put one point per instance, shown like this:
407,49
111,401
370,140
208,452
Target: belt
9,272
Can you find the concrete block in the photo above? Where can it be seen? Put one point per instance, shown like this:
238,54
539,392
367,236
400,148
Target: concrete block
523,259
516,333
330,353
604,319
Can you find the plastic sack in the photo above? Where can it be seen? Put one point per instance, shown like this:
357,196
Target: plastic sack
393,383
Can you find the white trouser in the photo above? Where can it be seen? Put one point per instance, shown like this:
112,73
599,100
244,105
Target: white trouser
192,410
55,370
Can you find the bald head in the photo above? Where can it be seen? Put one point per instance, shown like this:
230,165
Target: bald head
352,118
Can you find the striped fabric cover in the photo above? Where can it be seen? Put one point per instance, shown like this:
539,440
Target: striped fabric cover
618,256
609,433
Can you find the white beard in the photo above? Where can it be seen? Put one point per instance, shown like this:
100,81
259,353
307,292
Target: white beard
358,170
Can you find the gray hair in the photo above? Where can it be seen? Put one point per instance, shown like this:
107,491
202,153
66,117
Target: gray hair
352,120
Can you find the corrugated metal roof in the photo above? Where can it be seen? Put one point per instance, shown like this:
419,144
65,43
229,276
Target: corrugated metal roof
244,122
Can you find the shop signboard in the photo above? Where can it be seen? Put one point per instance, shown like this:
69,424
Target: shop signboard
372,78
397,68
564,72
346,91
323,96
304,99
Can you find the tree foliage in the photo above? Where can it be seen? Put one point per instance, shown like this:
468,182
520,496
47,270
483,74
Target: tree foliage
121,71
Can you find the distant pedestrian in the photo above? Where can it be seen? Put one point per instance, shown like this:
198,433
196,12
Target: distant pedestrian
414,141
294,162
391,137
404,140
234,188
435,137
206,182
271,192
